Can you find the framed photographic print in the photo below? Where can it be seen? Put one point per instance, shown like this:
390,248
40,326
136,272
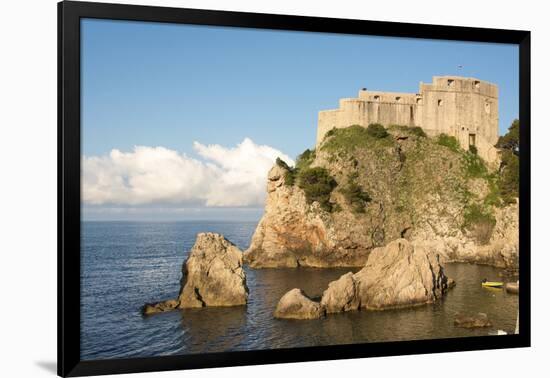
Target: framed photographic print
239,188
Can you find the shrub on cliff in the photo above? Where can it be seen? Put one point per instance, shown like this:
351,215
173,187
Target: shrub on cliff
290,174
413,130
480,222
448,141
377,130
305,159
355,195
317,185
475,166
281,163
509,166
355,136
509,176
510,141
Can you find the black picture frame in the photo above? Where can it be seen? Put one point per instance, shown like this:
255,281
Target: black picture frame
69,15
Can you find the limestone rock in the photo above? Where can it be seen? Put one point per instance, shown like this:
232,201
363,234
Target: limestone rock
154,308
417,190
341,295
512,287
296,305
400,275
476,321
213,274
501,251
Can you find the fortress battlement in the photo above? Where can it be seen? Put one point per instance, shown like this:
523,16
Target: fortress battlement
466,108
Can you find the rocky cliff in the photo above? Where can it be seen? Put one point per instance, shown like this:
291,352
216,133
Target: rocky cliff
365,187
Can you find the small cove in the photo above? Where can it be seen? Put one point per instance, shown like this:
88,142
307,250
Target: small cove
125,264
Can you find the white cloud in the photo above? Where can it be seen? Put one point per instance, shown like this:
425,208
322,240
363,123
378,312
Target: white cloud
156,175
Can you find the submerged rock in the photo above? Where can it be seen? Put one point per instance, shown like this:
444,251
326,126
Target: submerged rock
480,320
295,304
154,308
213,274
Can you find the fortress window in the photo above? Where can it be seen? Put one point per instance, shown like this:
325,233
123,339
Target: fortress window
419,100
472,140
450,83
376,98
439,102
398,99
487,107
476,84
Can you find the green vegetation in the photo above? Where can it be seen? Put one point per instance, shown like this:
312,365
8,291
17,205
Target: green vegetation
290,174
510,141
416,130
376,130
317,185
281,163
305,159
509,176
290,178
480,222
509,166
354,194
330,132
493,198
413,130
472,149
475,166
347,139
448,141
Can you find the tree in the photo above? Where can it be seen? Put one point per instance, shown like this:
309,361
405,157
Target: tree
510,141
509,165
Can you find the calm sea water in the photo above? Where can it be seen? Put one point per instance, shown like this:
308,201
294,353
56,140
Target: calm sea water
126,264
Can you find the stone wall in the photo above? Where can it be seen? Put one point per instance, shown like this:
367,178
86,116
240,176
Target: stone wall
465,108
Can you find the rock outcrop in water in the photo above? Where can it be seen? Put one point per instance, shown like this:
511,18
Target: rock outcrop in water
213,275
342,295
359,191
398,275
480,320
295,304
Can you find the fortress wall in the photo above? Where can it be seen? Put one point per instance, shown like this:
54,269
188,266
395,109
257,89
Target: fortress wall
389,97
439,112
327,120
388,113
465,108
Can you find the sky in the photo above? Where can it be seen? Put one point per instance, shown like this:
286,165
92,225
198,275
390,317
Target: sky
183,122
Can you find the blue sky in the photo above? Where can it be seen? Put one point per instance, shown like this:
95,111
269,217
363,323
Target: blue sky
163,84
154,84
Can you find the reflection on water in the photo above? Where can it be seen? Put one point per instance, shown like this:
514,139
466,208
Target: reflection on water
125,265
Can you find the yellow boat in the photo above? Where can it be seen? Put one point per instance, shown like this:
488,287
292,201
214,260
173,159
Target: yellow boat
493,284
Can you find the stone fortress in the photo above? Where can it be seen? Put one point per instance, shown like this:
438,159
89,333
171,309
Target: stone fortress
465,108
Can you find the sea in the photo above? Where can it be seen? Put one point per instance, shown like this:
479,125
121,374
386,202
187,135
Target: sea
127,264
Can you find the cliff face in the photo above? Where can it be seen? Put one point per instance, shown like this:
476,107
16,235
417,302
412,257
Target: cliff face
383,187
